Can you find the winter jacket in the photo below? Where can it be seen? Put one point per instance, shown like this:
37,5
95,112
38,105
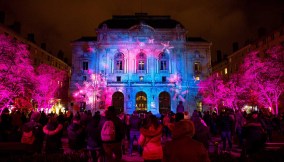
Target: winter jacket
93,135
183,148
150,140
135,123
53,133
76,136
37,130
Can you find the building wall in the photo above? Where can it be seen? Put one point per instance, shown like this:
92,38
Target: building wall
235,60
101,55
39,56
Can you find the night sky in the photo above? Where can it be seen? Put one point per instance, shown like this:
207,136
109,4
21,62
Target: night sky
222,22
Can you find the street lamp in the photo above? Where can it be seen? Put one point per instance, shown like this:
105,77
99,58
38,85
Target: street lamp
94,79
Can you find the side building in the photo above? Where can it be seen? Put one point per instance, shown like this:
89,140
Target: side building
146,63
40,56
233,62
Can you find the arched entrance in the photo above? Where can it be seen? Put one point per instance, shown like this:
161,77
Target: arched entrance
118,101
164,102
141,101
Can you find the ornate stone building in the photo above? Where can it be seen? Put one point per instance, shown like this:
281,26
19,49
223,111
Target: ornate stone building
145,62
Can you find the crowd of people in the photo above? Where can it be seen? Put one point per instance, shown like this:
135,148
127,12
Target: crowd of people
169,137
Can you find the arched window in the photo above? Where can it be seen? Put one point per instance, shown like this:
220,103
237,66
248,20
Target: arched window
163,62
141,62
119,62
141,101
118,102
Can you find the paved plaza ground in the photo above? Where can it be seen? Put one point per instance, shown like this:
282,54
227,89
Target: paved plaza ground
276,143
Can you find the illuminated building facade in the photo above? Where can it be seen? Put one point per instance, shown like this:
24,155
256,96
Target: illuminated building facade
147,63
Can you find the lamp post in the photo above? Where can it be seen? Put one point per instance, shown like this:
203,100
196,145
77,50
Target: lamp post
94,87
94,79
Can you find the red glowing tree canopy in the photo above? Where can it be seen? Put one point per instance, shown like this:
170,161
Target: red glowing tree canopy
260,82
235,92
49,80
19,82
265,77
213,90
16,71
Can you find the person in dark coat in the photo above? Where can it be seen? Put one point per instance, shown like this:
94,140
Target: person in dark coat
53,131
202,132
6,129
254,135
183,148
93,138
135,125
180,107
226,126
112,149
76,134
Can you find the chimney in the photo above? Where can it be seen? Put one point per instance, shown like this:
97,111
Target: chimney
235,46
219,56
43,46
16,27
31,37
2,17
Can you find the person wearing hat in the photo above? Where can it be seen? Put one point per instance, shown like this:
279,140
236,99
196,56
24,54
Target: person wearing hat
34,126
183,148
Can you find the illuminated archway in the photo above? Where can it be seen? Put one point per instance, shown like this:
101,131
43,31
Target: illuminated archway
141,101
118,101
164,102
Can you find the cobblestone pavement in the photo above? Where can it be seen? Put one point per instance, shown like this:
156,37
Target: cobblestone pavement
276,143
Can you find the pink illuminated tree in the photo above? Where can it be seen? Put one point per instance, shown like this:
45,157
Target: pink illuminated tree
49,81
91,91
213,90
17,76
264,77
235,92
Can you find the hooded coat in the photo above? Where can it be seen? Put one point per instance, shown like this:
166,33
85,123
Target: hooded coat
150,140
183,148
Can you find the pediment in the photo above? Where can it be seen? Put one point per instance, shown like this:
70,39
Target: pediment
142,28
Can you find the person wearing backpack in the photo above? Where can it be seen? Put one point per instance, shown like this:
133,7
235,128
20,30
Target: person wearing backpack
32,133
112,133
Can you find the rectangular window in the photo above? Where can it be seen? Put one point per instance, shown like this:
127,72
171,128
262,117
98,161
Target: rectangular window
163,65
84,78
118,78
119,65
164,79
197,67
141,65
85,66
